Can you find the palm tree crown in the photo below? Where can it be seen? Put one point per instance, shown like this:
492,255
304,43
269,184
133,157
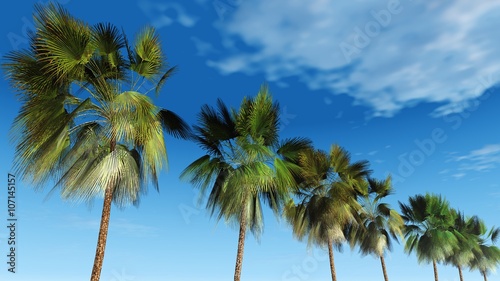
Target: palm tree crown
429,228
486,256
467,231
379,224
327,197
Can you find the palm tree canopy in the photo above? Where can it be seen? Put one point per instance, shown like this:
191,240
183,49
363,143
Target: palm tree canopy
327,197
467,230
429,227
86,121
245,162
379,223
486,256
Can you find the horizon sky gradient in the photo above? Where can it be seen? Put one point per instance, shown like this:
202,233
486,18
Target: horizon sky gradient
411,86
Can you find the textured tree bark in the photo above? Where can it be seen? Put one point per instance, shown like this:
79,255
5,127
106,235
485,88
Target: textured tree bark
241,245
103,229
384,270
460,273
434,264
103,235
332,261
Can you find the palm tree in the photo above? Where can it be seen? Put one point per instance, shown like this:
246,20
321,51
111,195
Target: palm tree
86,122
245,163
379,223
329,188
486,257
429,229
467,231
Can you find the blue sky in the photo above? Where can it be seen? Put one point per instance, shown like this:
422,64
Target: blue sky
411,86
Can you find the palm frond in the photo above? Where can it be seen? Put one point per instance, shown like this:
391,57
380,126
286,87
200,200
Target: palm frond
65,43
174,124
171,71
148,56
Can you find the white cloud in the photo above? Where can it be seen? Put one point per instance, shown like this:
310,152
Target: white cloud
157,12
413,51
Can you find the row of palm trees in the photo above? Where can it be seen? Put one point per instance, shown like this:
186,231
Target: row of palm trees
87,124
323,196
438,233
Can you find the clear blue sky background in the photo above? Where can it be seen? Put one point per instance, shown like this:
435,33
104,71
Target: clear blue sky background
407,85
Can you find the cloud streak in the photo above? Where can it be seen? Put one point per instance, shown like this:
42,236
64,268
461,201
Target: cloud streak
157,12
483,159
122,226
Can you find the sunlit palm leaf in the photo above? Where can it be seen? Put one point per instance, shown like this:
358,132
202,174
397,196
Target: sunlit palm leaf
148,58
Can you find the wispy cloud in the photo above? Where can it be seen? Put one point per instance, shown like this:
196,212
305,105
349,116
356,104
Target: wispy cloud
483,159
408,53
458,176
157,13
445,171
203,48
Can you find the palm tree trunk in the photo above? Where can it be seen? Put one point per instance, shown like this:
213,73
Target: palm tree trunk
460,273
332,261
241,244
384,270
434,264
103,235
484,275
103,229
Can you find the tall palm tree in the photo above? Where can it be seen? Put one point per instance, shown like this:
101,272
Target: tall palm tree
379,223
245,163
486,256
429,229
86,122
330,185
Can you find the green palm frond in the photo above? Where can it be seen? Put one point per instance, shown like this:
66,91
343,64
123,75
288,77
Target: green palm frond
26,74
118,169
148,56
65,43
45,126
259,118
174,124
109,41
171,71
